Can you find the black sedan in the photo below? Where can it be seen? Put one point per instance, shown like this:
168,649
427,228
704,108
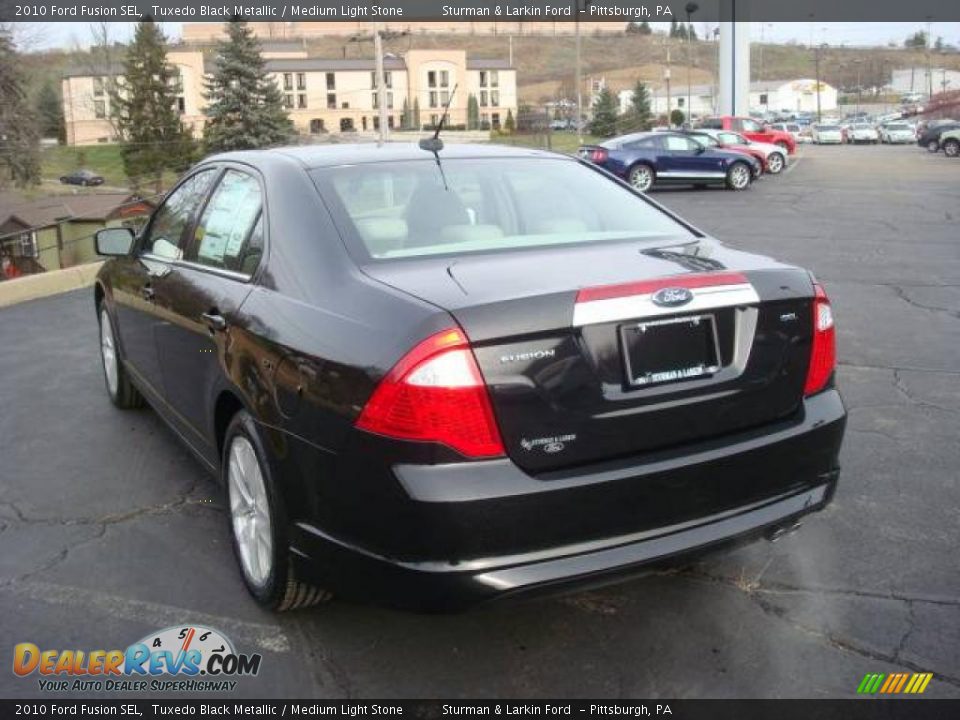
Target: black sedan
659,158
436,378
86,178
930,137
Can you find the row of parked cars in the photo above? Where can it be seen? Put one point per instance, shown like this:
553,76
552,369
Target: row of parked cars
727,150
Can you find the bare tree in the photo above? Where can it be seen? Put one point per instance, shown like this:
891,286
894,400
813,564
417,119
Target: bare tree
103,61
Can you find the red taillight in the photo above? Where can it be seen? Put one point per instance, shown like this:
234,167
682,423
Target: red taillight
435,393
823,350
598,155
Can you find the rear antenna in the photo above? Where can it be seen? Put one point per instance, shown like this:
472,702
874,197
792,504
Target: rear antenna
435,144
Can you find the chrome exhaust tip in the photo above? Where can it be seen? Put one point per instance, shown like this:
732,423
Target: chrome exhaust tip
782,530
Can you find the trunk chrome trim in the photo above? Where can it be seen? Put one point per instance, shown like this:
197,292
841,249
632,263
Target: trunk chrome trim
634,307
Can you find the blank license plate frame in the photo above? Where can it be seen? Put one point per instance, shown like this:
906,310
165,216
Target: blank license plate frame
657,352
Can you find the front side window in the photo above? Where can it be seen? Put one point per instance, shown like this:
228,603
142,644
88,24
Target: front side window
164,238
221,237
404,209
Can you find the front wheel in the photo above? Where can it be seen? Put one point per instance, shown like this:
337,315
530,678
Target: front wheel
738,176
951,148
121,391
775,163
258,522
641,177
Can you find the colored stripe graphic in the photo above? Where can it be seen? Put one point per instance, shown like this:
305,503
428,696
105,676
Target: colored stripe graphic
907,683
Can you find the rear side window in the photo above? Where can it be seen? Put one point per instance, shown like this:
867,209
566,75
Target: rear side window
712,124
229,235
412,209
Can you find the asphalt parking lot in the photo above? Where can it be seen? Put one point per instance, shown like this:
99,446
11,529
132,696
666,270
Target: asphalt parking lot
110,530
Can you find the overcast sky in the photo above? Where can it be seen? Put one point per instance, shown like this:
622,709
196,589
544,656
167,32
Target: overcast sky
51,35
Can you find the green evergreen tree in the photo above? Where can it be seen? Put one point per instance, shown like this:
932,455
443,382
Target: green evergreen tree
644,28
245,106
406,120
416,113
509,125
691,32
144,105
604,123
674,29
19,140
638,115
473,112
49,111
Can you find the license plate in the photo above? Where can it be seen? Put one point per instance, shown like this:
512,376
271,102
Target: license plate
670,350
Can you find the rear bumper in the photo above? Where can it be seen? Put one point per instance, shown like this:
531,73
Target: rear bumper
797,462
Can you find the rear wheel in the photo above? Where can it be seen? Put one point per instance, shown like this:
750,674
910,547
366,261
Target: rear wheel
641,177
738,176
121,391
951,148
259,523
933,146
775,163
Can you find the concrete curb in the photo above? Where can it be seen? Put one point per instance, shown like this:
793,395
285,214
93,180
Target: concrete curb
41,285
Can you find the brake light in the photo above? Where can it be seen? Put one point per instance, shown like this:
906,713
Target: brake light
435,393
598,155
823,349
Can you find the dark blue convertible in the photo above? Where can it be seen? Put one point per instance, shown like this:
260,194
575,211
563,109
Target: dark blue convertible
648,158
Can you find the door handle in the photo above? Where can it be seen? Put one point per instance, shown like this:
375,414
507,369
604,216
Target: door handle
214,320
147,292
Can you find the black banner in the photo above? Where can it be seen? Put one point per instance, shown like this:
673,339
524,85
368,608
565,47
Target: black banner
399,11
914,709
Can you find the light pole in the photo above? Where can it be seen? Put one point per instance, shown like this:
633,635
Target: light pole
816,60
381,90
579,81
691,8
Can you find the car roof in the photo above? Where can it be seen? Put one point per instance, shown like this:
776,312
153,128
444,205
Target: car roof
317,156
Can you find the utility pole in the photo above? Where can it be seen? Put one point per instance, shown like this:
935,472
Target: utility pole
381,90
816,60
579,81
691,8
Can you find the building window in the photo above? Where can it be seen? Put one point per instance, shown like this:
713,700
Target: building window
484,121
494,78
433,98
363,122
680,102
181,105
100,109
484,98
346,124
317,126
387,79
177,82
288,81
483,78
331,101
301,81
376,122
331,81
763,99
444,78
288,101
302,100
489,79
376,100
434,120
495,120
98,87
28,245
345,106
390,121
495,97
432,78
444,97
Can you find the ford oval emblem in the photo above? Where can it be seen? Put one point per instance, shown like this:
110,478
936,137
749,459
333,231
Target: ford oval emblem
672,297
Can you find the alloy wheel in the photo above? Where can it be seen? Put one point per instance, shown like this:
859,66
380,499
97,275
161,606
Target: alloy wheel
250,511
775,163
739,176
108,351
641,177
951,148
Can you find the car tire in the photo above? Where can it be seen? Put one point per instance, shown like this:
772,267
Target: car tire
951,148
63,180
933,146
641,177
776,162
258,522
121,390
738,176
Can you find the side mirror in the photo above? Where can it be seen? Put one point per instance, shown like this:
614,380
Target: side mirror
114,242
701,149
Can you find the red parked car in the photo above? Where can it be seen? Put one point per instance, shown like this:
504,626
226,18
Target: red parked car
752,130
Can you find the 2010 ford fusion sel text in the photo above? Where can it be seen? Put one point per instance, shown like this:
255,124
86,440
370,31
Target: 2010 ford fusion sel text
438,376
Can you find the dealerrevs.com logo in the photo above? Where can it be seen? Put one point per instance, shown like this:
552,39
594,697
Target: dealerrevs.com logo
181,659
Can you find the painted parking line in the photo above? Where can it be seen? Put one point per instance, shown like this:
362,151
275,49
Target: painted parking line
793,165
266,637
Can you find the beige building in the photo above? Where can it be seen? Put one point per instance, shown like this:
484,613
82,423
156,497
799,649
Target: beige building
322,95
205,32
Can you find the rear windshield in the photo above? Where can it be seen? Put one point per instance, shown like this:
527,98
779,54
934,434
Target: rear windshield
897,127
411,209
828,128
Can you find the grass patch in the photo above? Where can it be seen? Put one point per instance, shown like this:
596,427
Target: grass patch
104,159
565,142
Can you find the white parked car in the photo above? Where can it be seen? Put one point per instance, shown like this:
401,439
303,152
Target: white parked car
863,133
897,133
826,134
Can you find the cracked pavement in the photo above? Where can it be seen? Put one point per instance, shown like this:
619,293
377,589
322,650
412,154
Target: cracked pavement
110,530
